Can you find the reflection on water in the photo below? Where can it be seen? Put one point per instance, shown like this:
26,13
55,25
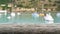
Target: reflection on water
25,18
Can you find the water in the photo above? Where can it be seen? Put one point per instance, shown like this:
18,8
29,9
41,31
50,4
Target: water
26,18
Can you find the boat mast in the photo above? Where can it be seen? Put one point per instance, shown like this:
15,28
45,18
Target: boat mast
42,6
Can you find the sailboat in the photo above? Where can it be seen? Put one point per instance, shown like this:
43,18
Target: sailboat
35,14
12,14
48,18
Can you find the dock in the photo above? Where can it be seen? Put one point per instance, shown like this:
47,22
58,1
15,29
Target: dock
30,28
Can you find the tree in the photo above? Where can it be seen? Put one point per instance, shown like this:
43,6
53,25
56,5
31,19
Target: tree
58,5
5,1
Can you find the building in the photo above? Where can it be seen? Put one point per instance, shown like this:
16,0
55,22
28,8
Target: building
48,4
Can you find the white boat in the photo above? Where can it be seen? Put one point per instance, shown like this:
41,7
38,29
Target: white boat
58,14
35,15
48,18
9,17
12,14
3,11
18,13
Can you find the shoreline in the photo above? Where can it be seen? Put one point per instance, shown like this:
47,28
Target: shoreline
32,28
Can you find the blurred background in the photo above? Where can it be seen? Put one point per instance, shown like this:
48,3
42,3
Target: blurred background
25,8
